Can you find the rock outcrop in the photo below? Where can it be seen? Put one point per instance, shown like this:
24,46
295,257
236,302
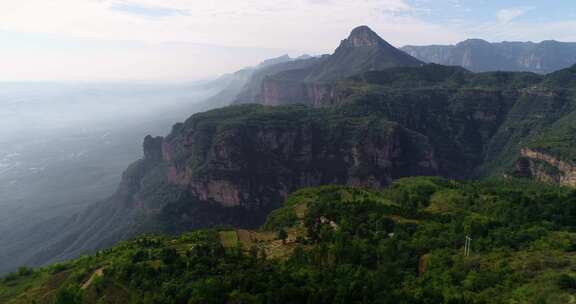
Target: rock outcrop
545,167
278,92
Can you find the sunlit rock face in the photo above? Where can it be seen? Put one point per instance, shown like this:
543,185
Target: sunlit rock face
545,167
481,56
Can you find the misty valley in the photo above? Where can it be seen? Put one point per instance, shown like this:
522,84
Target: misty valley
64,146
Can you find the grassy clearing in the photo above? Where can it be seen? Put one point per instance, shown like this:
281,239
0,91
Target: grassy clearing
229,239
268,242
11,289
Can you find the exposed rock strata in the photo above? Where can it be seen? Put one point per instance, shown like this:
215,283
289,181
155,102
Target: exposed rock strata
545,167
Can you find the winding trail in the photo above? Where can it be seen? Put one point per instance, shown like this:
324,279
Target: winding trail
98,273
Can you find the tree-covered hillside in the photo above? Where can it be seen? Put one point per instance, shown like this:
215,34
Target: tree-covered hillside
336,244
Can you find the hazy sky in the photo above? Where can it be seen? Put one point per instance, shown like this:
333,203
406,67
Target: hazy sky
193,39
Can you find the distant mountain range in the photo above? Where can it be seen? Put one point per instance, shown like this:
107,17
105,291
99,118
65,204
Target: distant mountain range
478,55
364,116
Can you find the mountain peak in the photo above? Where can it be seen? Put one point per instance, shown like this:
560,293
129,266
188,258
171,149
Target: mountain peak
362,51
473,42
362,36
273,61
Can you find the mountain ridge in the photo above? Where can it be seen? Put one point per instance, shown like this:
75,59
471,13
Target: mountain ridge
479,55
362,51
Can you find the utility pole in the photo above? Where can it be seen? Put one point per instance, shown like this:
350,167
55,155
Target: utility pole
467,245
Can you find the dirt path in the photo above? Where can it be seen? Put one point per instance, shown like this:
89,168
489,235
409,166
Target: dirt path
98,273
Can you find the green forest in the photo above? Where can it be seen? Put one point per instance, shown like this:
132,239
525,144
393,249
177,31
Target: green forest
336,244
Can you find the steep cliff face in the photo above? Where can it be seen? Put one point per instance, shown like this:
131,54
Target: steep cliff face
545,168
481,56
279,92
242,86
475,121
364,131
251,91
251,157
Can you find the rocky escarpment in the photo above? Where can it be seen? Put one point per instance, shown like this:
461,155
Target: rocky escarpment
279,92
475,121
243,85
481,56
545,167
251,91
249,158
234,165
366,131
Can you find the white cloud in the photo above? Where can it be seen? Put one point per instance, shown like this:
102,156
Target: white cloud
525,31
262,23
509,14
167,39
181,62
272,26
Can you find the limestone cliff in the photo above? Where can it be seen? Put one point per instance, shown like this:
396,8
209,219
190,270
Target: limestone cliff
545,167
279,92
482,56
251,157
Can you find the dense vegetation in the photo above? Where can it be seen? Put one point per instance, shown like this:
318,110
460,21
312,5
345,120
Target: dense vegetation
345,245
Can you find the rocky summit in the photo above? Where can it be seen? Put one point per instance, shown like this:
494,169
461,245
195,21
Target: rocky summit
362,36
310,78
362,51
